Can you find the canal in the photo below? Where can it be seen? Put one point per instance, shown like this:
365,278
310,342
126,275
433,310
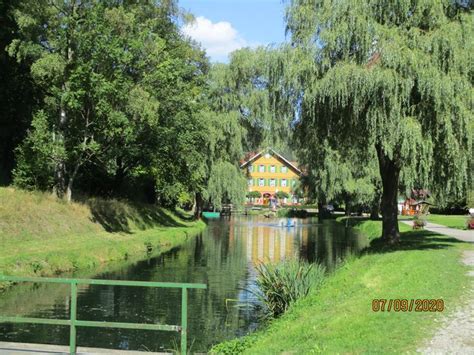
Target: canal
223,257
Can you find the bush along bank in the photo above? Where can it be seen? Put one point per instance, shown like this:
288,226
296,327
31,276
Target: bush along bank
338,318
292,213
41,236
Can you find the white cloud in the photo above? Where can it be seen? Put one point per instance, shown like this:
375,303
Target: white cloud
219,39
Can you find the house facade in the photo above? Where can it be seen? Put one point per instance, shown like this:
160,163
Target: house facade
268,173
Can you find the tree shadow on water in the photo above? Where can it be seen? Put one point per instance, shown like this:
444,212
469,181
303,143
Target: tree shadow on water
116,216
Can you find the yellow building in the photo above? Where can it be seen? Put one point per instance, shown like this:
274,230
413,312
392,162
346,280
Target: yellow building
269,172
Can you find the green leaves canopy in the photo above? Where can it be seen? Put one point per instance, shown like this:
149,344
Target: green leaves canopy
394,76
121,94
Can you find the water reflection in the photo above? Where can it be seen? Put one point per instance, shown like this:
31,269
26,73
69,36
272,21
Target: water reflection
223,257
272,241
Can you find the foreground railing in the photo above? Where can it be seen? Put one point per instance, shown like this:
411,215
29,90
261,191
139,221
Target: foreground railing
73,322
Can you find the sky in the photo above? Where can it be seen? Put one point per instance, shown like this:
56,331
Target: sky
223,26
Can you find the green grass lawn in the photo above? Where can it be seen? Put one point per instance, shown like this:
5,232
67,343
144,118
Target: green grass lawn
42,236
452,221
339,319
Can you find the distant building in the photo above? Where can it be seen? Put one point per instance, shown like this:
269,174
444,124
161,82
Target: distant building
411,205
269,172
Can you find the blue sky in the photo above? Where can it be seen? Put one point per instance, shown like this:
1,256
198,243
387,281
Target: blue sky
222,26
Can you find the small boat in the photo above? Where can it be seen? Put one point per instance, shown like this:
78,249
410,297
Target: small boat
210,215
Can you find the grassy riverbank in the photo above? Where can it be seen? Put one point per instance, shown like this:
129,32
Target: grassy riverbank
452,221
339,319
42,236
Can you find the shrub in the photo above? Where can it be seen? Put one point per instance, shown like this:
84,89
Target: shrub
254,194
234,346
283,283
292,213
419,222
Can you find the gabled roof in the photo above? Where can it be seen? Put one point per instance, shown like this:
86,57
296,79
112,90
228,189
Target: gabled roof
255,156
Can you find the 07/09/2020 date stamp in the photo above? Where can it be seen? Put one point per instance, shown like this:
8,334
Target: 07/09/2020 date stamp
405,305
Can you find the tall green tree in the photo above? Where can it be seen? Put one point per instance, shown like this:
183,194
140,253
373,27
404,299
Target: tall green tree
122,88
243,86
393,76
225,137
17,93
239,117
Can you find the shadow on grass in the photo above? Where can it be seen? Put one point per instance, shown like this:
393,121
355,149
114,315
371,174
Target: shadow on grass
413,240
115,216
409,240
183,215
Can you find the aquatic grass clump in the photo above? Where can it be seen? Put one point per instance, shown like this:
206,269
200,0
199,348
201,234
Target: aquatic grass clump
283,283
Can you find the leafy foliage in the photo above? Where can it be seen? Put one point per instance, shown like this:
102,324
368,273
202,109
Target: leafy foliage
122,91
36,156
18,95
391,77
226,184
254,194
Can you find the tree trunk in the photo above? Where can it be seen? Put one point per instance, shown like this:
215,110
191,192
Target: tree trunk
119,176
375,207
70,183
321,211
69,190
389,172
60,168
347,203
198,206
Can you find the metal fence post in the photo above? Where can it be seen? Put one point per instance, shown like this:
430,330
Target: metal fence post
184,320
73,322
72,335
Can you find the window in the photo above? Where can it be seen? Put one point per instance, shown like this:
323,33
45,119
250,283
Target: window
250,182
261,182
251,168
272,182
272,168
284,183
284,169
261,168
293,182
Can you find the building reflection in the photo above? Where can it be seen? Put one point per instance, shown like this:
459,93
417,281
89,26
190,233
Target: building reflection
314,242
270,243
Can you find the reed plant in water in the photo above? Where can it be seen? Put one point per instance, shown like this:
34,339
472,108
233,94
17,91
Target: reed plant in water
281,284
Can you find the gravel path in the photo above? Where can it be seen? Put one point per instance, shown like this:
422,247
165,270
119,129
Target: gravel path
456,335
464,235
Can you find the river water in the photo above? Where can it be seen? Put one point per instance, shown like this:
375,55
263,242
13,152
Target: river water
223,257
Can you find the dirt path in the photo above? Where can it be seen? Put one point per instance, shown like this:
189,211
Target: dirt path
456,335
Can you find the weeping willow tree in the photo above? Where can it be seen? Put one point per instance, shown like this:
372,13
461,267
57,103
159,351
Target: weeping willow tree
393,76
226,184
243,86
334,176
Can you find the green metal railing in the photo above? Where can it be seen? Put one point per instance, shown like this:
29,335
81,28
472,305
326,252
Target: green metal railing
73,322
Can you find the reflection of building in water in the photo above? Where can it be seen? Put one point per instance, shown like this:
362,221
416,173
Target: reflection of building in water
322,243
272,243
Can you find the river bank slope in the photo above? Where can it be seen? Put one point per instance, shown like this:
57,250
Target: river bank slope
41,236
339,318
